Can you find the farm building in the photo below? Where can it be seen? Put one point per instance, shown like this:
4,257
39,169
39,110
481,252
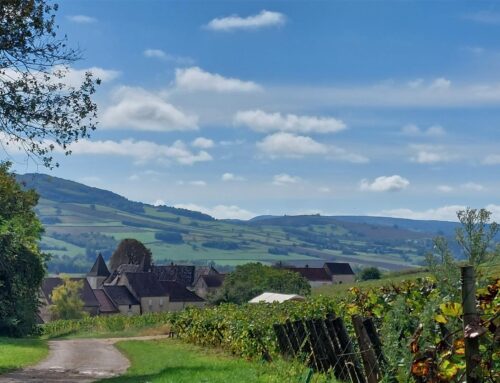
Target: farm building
275,297
330,273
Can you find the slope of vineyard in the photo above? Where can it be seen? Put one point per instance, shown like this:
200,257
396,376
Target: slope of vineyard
81,220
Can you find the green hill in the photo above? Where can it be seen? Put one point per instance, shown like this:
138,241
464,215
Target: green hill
81,220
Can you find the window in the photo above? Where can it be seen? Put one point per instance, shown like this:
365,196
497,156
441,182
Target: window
161,302
150,305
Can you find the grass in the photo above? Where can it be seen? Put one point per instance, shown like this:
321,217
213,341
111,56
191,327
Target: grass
171,361
16,353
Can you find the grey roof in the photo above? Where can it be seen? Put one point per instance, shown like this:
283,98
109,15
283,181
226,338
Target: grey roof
120,295
179,273
178,292
106,306
213,280
86,294
203,270
313,274
338,268
99,269
145,285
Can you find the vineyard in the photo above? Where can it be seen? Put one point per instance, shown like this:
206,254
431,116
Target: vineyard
420,329
420,324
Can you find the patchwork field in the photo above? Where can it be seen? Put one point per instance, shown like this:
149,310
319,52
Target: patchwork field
80,221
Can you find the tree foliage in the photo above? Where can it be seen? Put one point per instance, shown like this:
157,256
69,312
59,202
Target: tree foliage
369,273
40,110
476,234
22,266
252,279
130,251
66,301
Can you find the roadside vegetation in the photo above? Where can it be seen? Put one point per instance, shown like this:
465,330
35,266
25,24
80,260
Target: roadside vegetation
16,353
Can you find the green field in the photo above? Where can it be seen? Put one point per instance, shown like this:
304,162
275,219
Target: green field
80,221
16,353
170,361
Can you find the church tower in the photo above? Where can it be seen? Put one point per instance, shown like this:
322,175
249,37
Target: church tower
98,274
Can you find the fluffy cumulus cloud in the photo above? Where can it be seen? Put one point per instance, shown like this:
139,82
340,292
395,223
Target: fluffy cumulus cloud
220,211
140,151
82,19
231,177
235,22
136,108
415,131
430,154
285,179
203,143
385,184
290,145
443,213
196,79
283,144
261,121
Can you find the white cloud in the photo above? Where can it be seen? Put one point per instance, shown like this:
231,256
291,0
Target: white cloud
484,17
203,143
492,159
324,189
431,131
415,83
235,22
196,79
285,179
261,121
159,202
74,77
283,144
444,188
231,177
197,183
430,154
444,213
162,55
139,109
290,145
82,19
472,186
220,211
385,184
440,83
140,151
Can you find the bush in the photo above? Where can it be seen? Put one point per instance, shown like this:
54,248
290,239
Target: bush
369,273
169,237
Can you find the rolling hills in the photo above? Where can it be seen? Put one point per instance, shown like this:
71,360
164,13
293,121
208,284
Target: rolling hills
80,220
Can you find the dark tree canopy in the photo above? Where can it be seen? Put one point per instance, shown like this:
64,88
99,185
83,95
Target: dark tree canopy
369,273
130,251
249,280
22,267
39,110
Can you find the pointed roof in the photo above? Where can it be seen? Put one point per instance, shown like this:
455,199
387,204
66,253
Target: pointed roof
99,269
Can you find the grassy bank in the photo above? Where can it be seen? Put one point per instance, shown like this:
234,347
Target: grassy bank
172,361
16,353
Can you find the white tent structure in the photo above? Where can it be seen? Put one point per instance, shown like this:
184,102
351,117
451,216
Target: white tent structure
276,297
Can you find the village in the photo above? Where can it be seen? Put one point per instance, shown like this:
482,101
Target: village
135,289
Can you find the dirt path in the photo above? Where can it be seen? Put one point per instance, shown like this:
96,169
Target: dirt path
76,360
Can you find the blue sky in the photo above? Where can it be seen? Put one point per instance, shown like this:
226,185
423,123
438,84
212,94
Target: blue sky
244,108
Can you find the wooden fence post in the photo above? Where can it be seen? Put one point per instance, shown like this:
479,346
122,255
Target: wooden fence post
471,320
372,371
374,338
348,351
